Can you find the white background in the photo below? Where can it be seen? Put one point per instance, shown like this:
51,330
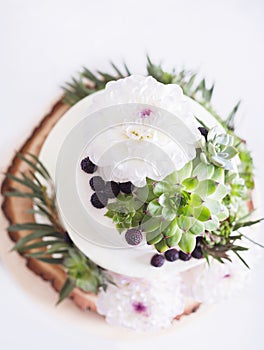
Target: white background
44,43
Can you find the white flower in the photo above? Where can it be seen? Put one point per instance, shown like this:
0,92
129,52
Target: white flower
216,282
147,130
141,304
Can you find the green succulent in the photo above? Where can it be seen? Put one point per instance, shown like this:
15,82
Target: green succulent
126,212
218,149
83,272
246,168
184,205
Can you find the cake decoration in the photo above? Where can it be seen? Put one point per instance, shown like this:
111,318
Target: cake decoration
161,178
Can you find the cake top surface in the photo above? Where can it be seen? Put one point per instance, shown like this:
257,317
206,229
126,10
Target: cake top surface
145,133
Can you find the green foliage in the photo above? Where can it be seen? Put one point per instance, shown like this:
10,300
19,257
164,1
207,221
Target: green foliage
175,210
88,83
46,242
125,212
246,168
187,81
218,150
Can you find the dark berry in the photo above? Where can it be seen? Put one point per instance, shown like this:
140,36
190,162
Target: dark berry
67,238
99,200
97,183
88,166
197,253
111,189
203,131
172,254
157,260
199,240
133,236
184,256
126,187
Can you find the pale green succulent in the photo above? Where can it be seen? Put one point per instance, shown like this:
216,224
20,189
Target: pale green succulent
86,274
125,212
218,149
185,205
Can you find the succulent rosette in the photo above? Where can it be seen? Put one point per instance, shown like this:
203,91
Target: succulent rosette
218,149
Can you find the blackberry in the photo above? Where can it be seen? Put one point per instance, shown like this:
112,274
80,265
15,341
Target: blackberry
99,200
203,131
88,166
111,189
97,183
184,256
197,253
67,239
126,187
157,260
172,255
199,240
133,236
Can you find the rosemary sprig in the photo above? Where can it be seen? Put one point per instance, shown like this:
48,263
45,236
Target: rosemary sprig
48,242
88,83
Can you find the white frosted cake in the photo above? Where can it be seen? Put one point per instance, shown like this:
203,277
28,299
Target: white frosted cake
150,188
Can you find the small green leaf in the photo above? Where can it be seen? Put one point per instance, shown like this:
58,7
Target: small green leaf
229,153
195,200
190,183
154,237
206,188
247,223
66,290
219,175
154,208
161,187
185,222
197,228
40,244
220,192
110,214
168,213
31,226
212,224
39,169
53,261
185,172
202,213
231,117
161,246
171,228
187,242
150,224
172,178
33,236
174,240
203,171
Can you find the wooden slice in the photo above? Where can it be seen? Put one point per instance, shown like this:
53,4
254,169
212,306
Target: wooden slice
15,210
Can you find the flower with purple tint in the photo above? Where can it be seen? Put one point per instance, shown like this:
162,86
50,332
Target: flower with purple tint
217,282
141,304
145,113
140,308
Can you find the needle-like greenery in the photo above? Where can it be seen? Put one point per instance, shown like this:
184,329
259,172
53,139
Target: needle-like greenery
47,240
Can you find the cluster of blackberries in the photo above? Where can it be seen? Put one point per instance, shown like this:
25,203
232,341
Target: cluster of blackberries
104,190
173,254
